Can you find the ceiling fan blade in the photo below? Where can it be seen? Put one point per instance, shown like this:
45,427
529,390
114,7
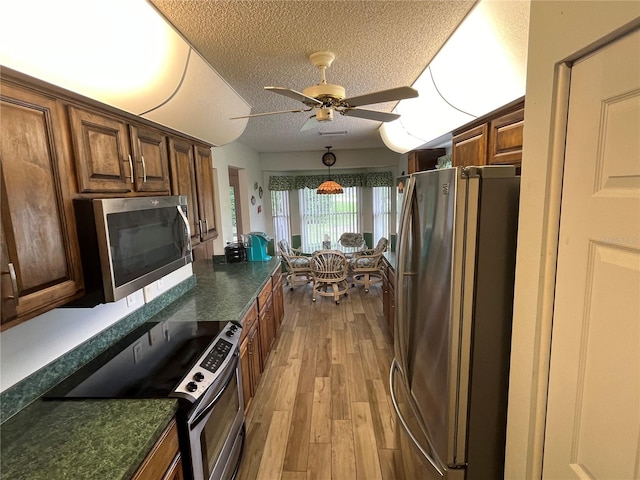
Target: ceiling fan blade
269,113
309,124
287,92
371,114
391,95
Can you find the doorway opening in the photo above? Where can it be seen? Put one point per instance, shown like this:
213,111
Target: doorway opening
236,204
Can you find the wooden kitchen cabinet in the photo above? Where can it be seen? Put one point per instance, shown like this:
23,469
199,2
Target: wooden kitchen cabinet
150,157
493,139
424,159
470,147
505,139
250,357
112,156
40,264
192,176
266,321
163,462
183,181
206,192
278,300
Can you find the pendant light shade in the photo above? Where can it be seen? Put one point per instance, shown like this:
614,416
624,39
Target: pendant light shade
329,187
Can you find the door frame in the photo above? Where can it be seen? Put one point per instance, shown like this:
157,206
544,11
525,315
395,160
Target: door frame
234,181
527,434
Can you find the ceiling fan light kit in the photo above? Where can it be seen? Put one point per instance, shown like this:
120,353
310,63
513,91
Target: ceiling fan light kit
327,98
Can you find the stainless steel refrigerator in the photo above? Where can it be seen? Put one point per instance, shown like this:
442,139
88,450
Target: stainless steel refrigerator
454,293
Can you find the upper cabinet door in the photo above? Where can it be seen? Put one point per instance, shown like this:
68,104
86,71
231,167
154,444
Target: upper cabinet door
102,155
206,191
470,147
40,261
183,181
151,166
505,139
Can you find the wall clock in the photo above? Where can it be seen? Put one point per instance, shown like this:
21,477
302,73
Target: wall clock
329,158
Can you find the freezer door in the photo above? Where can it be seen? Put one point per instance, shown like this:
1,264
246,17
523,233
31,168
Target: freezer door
427,341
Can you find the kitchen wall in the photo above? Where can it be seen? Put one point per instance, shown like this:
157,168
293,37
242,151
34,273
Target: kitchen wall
246,159
348,161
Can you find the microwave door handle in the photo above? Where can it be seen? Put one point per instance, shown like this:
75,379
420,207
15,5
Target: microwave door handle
435,462
185,220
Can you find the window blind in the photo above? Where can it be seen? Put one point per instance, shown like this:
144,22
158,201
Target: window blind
280,216
326,217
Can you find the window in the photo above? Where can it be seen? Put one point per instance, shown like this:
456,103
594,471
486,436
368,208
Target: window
234,219
329,216
280,216
381,212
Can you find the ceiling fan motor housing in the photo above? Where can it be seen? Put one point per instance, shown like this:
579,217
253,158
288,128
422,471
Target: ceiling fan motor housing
324,114
325,91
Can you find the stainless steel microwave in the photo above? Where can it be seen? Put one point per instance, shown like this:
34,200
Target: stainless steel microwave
128,243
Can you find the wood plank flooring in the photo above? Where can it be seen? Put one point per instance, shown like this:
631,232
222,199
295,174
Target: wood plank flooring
323,409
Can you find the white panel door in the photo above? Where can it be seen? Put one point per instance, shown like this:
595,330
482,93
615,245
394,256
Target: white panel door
593,416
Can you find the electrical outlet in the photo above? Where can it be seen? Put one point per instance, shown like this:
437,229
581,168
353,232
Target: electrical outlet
160,284
131,300
137,352
165,332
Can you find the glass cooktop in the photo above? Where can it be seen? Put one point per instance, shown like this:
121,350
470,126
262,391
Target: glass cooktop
147,363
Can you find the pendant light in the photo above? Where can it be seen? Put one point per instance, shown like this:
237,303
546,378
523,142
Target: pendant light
329,187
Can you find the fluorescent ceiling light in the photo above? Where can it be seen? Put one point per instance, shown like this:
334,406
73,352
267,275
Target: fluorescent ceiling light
480,68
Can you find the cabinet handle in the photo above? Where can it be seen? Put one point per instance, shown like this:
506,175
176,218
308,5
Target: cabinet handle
144,169
206,225
200,227
14,282
131,168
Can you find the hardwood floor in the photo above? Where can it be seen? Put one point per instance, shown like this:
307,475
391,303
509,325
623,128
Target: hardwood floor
323,410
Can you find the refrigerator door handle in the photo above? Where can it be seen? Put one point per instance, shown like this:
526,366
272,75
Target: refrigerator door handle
400,344
436,463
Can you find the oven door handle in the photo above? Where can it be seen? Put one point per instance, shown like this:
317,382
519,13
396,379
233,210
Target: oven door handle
208,408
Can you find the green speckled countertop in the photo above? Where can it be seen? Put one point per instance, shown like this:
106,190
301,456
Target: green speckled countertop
222,292
391,258
109,439
88,439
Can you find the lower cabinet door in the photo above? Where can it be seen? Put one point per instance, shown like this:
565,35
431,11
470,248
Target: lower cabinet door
161,461
245,367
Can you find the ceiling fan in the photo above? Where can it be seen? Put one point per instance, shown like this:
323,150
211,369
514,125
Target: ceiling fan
326,98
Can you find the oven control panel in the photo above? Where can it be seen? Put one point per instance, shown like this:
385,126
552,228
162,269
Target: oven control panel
211,364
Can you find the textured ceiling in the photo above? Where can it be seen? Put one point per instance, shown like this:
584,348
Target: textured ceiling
253,44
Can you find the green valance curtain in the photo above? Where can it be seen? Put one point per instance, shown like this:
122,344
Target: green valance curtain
298,182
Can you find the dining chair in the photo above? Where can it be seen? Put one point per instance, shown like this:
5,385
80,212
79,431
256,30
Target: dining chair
329,269
351,243
298,265
366,265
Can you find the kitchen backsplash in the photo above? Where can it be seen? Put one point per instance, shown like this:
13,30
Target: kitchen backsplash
23,392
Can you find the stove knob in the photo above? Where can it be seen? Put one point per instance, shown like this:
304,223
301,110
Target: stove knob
229,333
198,376
233,327
191,387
